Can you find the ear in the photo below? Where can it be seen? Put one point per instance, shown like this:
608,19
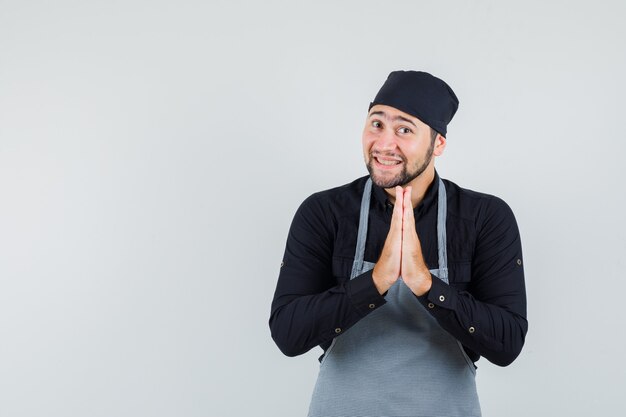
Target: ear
440,145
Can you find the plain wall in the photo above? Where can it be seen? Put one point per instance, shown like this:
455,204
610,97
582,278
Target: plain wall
152,155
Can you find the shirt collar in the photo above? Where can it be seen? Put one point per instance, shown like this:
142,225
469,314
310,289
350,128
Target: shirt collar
382,198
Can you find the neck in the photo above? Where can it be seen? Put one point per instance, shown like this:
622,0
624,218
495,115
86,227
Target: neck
419,184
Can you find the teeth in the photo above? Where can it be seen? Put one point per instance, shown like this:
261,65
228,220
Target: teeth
387,163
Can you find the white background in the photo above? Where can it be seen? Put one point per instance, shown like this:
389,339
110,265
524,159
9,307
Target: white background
152,155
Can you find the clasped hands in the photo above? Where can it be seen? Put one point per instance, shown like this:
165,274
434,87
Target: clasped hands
402,253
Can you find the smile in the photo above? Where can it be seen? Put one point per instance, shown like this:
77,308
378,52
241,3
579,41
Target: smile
387,162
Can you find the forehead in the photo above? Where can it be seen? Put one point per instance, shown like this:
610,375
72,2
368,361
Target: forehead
391,113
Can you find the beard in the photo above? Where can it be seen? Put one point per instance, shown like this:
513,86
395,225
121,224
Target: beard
406,175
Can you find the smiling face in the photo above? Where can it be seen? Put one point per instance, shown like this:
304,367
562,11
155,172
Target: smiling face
398,147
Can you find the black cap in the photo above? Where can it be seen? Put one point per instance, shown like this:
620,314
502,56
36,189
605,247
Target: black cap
421,95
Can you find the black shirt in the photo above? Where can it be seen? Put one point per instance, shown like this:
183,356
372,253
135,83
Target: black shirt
484,305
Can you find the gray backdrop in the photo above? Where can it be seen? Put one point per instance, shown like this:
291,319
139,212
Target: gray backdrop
153,153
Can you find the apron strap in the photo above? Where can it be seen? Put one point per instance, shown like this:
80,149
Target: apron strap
357,265
442,211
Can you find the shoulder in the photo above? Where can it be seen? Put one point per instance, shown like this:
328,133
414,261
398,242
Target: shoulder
479,207
323,211
336,200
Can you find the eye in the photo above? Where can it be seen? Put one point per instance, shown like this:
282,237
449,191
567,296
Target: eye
377,124
404,130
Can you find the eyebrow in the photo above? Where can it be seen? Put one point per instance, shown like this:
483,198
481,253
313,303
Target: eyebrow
382,113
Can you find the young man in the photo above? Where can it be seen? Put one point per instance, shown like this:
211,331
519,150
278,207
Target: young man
404,279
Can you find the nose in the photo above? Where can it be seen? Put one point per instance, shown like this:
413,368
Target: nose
386,141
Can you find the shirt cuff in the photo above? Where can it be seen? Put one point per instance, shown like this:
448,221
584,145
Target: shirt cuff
441,299
363,293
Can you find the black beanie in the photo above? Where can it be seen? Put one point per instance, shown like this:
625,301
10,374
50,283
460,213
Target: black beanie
421,95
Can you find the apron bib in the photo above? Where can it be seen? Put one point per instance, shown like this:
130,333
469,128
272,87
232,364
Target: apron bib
396,361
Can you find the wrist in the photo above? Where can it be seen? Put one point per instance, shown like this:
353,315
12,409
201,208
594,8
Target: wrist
381,284
423,284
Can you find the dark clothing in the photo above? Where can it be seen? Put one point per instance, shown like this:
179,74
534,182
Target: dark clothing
484,307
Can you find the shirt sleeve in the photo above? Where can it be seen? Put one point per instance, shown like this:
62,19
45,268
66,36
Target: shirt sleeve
310,307
488,318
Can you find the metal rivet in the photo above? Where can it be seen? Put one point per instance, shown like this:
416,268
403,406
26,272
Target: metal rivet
431,305
519,261
282,264
442,298
472,329
372,305
338,330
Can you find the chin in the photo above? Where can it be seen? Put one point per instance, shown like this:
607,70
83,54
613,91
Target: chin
385,181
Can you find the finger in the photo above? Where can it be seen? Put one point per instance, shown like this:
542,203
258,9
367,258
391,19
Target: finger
396,218
399,194
409,219
410,240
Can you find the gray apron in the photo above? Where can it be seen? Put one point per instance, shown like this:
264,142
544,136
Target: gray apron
397,360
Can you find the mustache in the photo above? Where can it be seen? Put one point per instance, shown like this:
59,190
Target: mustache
393,155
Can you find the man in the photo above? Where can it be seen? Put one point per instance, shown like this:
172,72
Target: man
404,279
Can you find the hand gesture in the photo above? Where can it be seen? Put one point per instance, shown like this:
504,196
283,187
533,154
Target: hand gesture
402,252
413,270
387,270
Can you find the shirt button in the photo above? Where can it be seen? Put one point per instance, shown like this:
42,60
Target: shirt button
471,329
442,298
338,330
372,305
431,305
